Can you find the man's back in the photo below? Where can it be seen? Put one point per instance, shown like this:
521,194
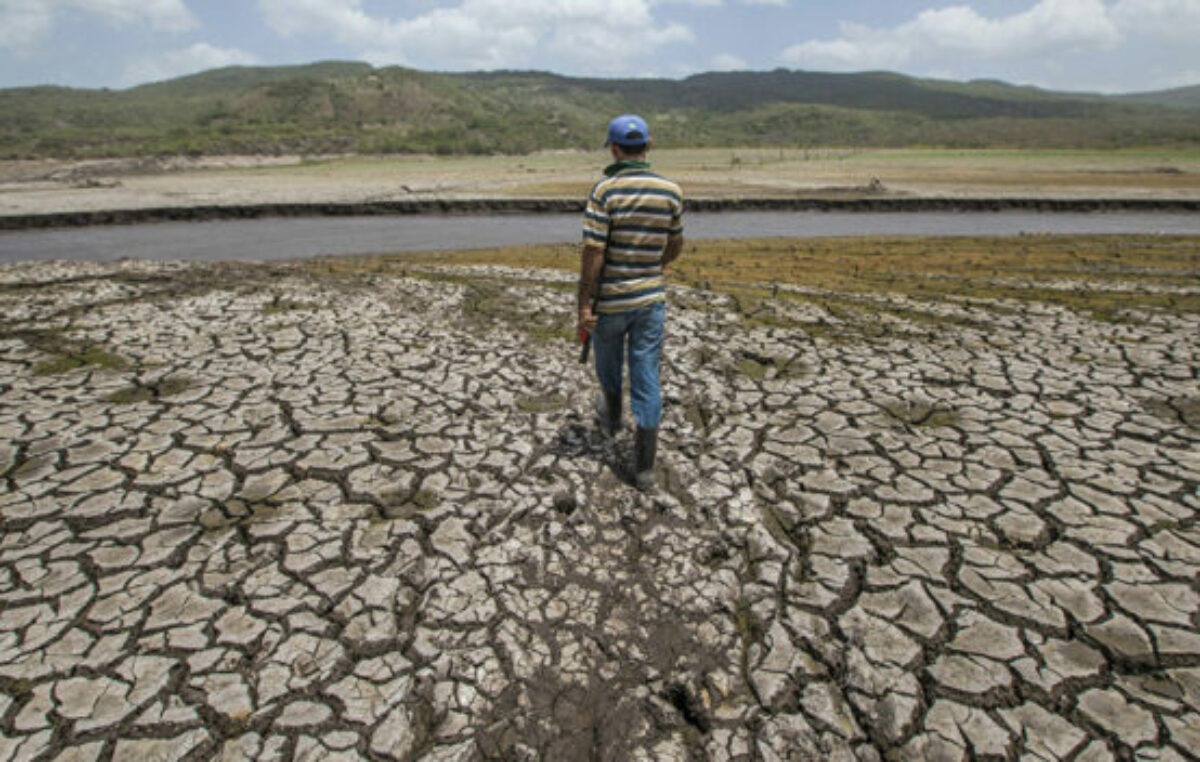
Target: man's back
634,213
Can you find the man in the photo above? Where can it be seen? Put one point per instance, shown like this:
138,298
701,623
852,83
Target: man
632,229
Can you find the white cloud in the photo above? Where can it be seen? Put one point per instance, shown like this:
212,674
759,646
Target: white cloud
171,15
611,37
1050,26
189,60
1169,20
23,23
715,3
727,62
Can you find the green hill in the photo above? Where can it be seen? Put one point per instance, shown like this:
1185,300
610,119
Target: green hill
332,107
1180,97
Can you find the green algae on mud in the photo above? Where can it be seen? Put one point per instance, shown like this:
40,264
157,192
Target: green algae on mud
281,306
66,354
920,414
541,404
762,368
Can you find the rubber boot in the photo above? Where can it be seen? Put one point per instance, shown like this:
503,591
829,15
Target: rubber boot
645,446
608,413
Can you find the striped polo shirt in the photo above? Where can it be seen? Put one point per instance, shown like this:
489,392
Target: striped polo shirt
633,212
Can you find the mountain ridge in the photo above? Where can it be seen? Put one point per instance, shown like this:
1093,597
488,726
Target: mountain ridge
347,106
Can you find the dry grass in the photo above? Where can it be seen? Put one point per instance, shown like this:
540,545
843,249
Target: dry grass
1089,273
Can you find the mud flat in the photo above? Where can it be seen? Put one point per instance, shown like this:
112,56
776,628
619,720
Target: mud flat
356,508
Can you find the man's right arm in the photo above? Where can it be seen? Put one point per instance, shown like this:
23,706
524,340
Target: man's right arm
590,271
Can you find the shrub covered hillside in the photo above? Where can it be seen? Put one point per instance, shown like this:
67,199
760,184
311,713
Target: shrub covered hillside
352,107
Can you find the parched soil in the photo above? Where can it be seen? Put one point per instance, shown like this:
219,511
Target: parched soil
357,508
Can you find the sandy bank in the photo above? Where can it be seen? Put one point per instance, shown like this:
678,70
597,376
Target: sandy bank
125,190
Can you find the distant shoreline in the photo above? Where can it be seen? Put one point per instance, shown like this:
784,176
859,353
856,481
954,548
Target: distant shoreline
200,213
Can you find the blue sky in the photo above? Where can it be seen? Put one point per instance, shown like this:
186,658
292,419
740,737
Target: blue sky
1082,45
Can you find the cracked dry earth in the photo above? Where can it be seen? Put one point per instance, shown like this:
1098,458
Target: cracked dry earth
251,513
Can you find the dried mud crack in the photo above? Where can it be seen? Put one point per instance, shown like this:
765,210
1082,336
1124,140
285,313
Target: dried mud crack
250,512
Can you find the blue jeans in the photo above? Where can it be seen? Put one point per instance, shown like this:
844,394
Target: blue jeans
642,330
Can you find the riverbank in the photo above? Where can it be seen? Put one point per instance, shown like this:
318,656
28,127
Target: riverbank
95,192
570,205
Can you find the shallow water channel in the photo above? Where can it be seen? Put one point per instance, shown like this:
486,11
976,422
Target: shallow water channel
288,238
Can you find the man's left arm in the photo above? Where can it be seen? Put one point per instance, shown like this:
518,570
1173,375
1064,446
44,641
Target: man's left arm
673,250
675,236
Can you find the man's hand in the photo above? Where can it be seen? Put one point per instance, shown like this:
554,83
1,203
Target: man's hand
590,270
587,321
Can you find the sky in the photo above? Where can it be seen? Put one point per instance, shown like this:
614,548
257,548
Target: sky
1077,45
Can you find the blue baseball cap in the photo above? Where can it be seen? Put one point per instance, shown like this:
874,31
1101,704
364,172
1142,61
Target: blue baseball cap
628,131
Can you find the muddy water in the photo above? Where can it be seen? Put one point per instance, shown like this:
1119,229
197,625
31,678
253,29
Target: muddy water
277,238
